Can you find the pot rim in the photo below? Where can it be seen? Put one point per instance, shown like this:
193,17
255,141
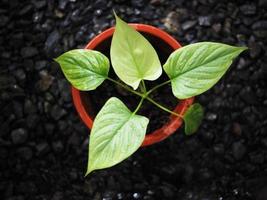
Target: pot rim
174,122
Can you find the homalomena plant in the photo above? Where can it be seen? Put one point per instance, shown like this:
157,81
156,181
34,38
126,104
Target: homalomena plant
118,132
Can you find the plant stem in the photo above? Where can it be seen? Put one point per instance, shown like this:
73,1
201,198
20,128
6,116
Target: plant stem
158,86
125,87
145,95
139,105
163,108
143,86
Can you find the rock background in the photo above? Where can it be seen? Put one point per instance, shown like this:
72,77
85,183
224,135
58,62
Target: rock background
43,143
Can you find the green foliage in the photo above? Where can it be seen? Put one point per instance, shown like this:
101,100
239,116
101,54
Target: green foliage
195,68
193,118
117,132
84,69
132,56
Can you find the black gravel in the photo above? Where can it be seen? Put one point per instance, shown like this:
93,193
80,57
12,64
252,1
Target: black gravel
43,143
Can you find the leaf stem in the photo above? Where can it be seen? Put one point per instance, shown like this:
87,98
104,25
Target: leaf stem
139,105
125,87
158,86
143,86
163,108
145,95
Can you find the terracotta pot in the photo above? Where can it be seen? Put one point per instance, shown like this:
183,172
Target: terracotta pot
174,122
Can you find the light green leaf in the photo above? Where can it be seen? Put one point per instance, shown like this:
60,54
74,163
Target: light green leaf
195,68
85,69
132,56
193,118
116,134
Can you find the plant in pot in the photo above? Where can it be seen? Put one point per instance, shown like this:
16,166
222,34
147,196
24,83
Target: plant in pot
117,132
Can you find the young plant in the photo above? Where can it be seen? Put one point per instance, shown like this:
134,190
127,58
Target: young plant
118,132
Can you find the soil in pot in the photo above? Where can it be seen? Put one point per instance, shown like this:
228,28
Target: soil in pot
94,100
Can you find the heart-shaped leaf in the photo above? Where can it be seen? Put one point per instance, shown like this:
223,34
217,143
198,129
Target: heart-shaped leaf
116,134
195,68
85,69
193,118
132,56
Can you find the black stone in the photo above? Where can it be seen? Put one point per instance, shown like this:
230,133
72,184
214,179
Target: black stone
42,149
19,136
256,157
62,4
254,49
204,20
57,146
57,112
39,4
239,150
188,25
25,152
219,149
29,107
3,20
40,64
26,10
207,137
28,52
52,41
263,3
248,9
260,29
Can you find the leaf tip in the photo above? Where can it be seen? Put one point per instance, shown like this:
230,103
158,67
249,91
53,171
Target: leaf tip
243,49
114,13
56,59
88,172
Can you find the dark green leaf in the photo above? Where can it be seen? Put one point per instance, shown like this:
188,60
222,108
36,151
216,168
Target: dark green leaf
193,118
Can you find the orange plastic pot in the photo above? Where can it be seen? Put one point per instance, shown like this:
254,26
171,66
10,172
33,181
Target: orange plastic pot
173,123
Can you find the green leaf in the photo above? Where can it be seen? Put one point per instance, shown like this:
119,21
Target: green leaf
116,134
85,69
193,118
195,68
132,56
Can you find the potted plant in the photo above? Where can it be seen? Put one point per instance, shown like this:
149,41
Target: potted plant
118,132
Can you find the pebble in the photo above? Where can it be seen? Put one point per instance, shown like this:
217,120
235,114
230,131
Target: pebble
260,29
171,22
219,149
52,41
256,157
254,49
42,149
57,146
39,4
62,4
263,3
239,150
40,64
204,20
248,9
57,112
19,136
188,25
45,82
29,107
25,152
3,20
28,52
